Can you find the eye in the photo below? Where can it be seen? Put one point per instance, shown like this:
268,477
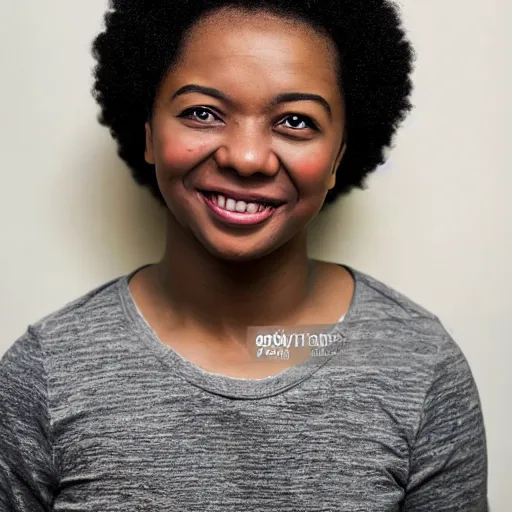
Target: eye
299,122
190,113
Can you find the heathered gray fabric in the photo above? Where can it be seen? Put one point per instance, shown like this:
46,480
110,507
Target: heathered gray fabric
96,414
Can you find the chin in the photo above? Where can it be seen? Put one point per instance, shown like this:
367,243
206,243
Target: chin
239,250
236,253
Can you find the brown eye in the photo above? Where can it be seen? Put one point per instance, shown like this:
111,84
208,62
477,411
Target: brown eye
298,122
198,114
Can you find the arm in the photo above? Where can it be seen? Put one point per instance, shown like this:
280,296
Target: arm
27,476
448,469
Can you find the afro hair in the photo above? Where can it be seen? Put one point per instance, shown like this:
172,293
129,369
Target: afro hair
142,39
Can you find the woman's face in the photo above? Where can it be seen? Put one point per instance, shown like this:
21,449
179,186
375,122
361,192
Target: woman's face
243,164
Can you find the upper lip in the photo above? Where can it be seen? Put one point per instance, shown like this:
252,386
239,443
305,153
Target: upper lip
244,195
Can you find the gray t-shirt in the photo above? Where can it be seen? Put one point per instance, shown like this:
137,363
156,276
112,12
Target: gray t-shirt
98,415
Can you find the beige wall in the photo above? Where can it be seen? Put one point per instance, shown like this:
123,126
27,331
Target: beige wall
436,222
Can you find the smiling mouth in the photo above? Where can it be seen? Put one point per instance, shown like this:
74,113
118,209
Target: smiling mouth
238,205
237,211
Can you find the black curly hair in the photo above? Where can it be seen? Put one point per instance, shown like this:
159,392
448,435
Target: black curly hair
143,38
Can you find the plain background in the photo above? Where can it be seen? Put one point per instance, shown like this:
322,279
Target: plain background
435,222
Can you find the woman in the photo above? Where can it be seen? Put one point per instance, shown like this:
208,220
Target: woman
168,389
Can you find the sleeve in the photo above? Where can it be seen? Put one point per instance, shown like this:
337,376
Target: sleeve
448,470
27,475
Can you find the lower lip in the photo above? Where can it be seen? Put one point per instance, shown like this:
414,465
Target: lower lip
246,219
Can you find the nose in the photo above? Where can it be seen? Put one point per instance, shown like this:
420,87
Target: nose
247,149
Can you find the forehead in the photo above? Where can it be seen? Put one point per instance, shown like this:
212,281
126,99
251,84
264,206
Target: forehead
237,28
261,49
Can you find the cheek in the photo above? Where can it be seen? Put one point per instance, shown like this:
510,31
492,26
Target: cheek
311,171
178,155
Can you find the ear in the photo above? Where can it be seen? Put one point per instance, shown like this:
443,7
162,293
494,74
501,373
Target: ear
148,154
332,181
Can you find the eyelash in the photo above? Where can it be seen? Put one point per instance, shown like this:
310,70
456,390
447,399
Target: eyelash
187,113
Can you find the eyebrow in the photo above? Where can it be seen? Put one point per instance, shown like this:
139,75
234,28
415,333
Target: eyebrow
280,98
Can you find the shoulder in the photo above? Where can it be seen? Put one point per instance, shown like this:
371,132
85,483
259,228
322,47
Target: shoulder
92,305
398,320
386,301
71,324
394,332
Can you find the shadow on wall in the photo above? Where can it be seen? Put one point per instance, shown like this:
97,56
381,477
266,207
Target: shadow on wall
109,223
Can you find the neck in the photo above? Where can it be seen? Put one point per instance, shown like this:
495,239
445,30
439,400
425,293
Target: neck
227,295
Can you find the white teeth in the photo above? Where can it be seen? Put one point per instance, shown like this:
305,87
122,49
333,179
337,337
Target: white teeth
240,206
232,205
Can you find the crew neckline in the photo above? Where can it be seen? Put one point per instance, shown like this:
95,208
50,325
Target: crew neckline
224,385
